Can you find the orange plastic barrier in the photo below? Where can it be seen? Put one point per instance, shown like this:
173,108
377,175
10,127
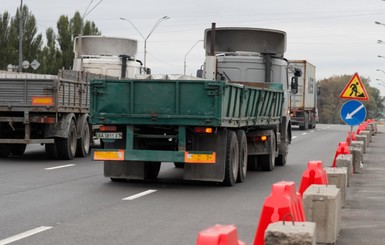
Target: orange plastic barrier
219,235
352,135
314,174
282,201
343,148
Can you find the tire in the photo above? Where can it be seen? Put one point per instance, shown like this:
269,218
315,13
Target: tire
179,164
5,150
17,149
282,157
242,144
51,151
151,170
117,180
232,159
83,144
268,161
66,147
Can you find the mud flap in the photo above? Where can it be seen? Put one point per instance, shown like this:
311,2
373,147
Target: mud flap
124,170
208,172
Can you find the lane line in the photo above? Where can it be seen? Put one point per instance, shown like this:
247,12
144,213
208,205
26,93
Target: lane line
58,167
24,235
304,133
294,137
138,195
312,131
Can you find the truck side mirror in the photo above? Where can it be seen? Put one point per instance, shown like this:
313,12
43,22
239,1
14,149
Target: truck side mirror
294,85
294,80
200,73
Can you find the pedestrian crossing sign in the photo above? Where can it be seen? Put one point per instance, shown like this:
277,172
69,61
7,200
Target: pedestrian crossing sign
354,89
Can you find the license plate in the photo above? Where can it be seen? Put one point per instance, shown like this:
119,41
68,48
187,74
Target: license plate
200,157
109,135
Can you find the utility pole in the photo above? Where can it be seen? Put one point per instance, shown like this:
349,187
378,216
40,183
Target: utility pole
20,67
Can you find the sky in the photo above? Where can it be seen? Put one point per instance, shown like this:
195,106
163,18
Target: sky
338,36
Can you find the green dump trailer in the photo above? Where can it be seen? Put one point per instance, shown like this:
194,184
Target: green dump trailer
233,119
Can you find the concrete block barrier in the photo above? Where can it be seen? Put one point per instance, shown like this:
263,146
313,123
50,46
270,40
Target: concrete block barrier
346,161
358,144
284,233
357,153
322,204
364,139
368,135
339,178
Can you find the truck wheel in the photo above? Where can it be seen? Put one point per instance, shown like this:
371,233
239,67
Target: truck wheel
268,161
151,170
232,159
5,150
83,144
18,149
242,144
282,157
66,147
51,151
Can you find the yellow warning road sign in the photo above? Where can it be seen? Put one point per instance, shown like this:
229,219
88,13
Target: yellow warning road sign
354,89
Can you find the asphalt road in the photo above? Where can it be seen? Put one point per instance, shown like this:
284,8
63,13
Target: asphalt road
45,201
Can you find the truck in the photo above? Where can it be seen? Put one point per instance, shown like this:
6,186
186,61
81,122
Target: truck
303,105
53,110
233,119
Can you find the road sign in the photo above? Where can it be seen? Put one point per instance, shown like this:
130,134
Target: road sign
35,64
354,89
353,112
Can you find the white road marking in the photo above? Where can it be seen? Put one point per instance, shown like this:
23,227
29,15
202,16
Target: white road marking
304,133
138,195
62,166
312,131
24,235
294,137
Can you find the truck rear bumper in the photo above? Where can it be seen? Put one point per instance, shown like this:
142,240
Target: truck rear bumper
198,157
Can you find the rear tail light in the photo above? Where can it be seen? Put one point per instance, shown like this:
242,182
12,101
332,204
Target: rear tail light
107,128
203,130
261,138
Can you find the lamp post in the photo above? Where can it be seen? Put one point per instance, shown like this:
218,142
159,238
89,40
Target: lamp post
184,70
381,81
380,56
379,23
20,68
149,34
381,70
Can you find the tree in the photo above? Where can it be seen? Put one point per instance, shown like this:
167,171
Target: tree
51,56
67,31
4,44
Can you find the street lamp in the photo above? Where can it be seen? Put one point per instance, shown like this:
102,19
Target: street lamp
184,70
20,68
379,23
381,70
380,56
149,34
382,81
